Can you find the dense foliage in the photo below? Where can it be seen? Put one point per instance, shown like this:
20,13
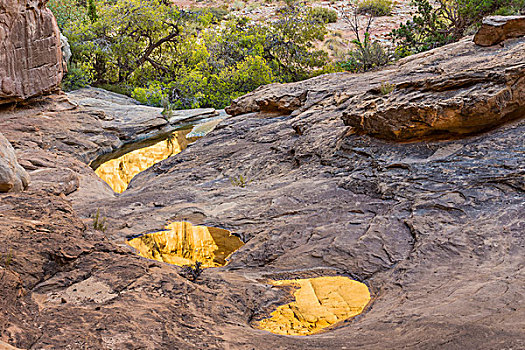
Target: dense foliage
192,58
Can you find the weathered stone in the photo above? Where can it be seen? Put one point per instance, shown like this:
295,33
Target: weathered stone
12,176
131,124
131,120
30,55
495,29
433,228
454,90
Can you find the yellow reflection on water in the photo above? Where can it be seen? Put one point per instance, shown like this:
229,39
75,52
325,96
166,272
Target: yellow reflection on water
118,172
184,244
319,303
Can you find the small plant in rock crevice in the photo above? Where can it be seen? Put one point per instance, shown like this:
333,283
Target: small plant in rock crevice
99,223
386,88
6,259
167,111
240,181
192,272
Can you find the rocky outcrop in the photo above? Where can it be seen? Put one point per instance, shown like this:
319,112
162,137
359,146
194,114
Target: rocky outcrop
12,176
454,90
133,125
433,228
30,55
495,29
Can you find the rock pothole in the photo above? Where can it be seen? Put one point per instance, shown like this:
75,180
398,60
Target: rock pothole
185,244
319,303
119,172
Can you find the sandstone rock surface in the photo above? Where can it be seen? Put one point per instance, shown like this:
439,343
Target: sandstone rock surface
30,54
495,29
12,176
450,91
433,228
133,124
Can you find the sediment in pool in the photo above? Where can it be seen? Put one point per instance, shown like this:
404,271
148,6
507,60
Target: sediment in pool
319,303
184,244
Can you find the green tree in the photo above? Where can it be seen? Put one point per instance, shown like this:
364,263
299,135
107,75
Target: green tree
187,57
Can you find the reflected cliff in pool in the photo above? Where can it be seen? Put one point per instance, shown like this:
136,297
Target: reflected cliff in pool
185,244
319,303
118,172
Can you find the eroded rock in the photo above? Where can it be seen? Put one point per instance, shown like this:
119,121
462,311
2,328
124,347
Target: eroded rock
434,228
132,121
12,176
496,29
30,54
450,91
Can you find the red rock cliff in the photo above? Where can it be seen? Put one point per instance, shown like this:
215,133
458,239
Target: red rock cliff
30,56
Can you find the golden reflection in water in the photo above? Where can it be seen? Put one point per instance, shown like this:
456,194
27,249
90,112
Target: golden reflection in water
319,303
118,172
184,244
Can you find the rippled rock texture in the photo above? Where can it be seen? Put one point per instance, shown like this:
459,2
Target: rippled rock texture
434,228
30,54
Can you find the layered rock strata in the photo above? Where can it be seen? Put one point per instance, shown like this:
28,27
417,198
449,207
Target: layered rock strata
447,92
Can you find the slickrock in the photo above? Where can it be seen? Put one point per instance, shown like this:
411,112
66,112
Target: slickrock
30,54
433,228
495,29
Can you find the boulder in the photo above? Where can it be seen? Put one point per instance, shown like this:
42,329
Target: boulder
12,176
495,29
30,54
66,49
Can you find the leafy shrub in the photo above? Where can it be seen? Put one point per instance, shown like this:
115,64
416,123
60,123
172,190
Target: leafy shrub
376,8
117,88
218,14
76,78
323,14
152,95
366,56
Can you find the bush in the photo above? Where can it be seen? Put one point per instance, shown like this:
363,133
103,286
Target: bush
163,53
324,15
376,8
76,78
366,56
